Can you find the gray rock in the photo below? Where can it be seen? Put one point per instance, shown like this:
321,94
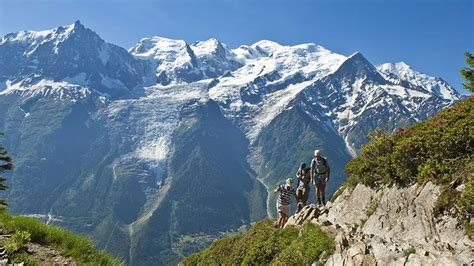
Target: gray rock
401,219
340,242
356,254
335,260
350,208
308,213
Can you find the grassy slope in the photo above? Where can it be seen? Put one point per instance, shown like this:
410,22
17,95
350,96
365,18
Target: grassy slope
264,244
69,244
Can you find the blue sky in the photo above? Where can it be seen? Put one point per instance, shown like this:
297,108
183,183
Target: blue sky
430,35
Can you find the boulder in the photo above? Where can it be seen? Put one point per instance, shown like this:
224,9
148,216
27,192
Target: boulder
306,214
350,208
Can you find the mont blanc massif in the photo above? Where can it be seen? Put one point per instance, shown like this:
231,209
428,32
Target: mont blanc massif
158,150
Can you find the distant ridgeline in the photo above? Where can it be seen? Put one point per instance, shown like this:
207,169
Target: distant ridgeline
409,198
157,150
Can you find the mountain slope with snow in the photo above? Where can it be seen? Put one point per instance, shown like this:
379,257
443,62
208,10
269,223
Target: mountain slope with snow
117,143
434,85
72,53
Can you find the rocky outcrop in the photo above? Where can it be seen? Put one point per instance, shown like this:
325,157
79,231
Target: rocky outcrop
390,226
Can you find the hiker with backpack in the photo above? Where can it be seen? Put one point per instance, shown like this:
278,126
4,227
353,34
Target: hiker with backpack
303,176
283,201
320,175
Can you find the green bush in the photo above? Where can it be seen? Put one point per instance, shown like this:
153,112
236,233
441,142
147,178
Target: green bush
17,242
432,150
69,244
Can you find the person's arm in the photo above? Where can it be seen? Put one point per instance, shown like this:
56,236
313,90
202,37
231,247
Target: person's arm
311,172
276,189
328,172
299,175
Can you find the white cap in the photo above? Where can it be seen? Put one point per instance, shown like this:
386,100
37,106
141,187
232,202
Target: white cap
317,152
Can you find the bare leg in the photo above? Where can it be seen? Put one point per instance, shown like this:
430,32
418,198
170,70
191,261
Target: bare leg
285,218
281,219
305,196
299,199
318,194
323,193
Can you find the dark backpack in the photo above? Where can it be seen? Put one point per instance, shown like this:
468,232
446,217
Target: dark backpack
305,173
325,163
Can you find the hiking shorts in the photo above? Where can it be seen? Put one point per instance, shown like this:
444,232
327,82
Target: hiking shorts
320,182
285,209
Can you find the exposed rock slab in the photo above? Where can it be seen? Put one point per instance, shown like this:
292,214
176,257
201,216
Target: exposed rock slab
390,226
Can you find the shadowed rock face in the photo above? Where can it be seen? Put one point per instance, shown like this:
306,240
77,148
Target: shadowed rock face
390,225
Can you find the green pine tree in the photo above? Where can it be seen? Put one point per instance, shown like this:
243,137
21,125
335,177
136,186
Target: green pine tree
5,165
468,72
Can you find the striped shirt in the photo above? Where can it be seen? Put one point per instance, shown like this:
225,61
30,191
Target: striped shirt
285,194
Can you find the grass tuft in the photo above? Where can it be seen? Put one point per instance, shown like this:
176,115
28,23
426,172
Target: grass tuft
69,244
17,242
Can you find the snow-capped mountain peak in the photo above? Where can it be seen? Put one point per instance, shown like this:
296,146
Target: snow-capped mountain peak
268,47
72,53
207,47
308,59
398,68
174,60
215,58
358,67
434,85
32,39
161,49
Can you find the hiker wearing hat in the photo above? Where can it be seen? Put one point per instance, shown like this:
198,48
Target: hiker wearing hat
302,192
320,175
283,201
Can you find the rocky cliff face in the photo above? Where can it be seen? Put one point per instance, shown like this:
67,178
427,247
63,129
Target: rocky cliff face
390,226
